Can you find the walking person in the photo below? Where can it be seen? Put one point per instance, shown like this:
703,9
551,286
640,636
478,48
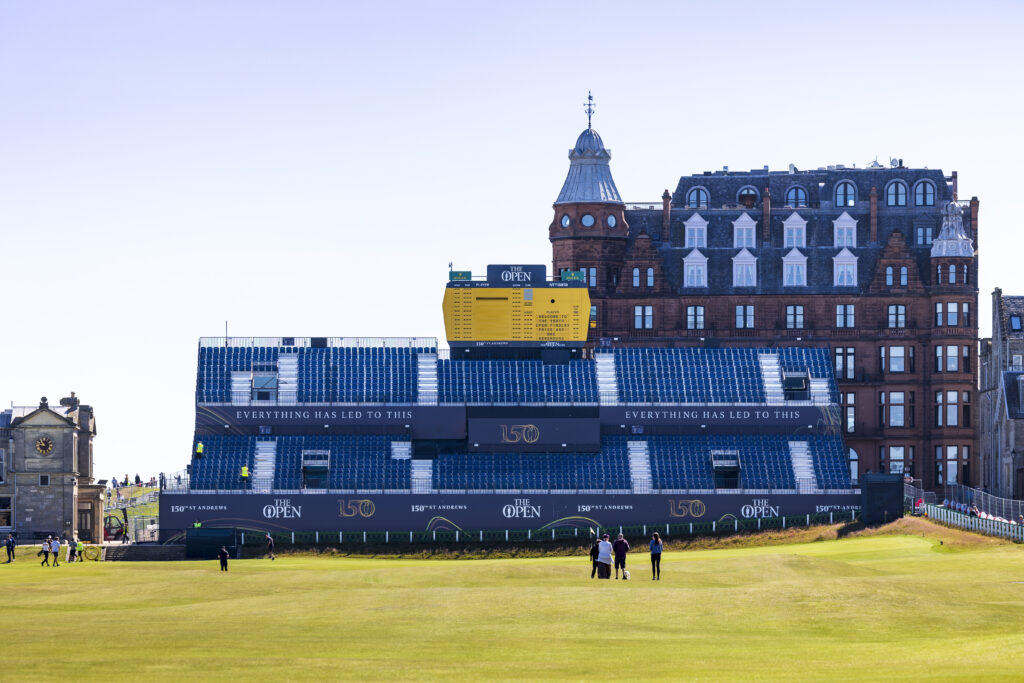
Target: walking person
55,549
9,543
79,550
620,548
45,552
604,558
270,546
656,546
72,549
222,555
594,550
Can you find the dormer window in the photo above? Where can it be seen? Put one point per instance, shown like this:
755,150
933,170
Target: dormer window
846,194
896,194
796,196
695,265
844,231
743,232
794,269
747,196
844,269
696,232
924,194
744,269
794,231
697,198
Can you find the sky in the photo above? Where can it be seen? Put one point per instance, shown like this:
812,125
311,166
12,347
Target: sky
309,168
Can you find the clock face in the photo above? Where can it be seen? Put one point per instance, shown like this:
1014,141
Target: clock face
44,445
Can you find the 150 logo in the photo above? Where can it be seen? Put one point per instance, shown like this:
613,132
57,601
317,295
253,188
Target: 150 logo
686,508
356,508
520,434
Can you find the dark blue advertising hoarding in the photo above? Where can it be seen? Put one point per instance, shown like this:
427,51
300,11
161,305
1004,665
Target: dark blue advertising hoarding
481,511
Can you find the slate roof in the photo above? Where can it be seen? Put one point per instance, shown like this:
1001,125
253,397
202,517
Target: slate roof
1013,306
590,176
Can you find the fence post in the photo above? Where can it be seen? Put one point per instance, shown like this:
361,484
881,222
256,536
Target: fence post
783,521
293,538
243,538
808,520
645,529
713,523
434,532
737,525
576,531
691,528
339,537
506,535
529,534
552,533
318,538
481,535
758,523
410,537
386,537
456,535
364,537
666,529
853,516
830,517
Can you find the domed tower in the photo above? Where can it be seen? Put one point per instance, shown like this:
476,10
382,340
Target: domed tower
953,251
589,229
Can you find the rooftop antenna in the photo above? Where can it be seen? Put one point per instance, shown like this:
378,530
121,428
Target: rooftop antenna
589,108
449,265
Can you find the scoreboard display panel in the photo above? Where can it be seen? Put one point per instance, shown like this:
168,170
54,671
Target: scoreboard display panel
504,311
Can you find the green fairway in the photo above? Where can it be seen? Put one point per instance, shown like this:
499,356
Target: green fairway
870,608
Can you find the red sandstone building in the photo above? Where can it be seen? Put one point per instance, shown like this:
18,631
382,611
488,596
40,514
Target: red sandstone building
877,264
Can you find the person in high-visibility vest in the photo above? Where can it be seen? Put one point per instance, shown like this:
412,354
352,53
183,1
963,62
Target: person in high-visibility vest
79,547
199,449
245,471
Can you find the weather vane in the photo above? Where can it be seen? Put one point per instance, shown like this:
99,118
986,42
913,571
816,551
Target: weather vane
589,108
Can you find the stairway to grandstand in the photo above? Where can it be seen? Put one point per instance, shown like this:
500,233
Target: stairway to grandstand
422,473
264,465
639,466
820,391
426,379
241,386
803,466
288,379
607,384
771,372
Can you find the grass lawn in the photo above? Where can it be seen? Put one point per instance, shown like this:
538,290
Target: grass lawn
873,607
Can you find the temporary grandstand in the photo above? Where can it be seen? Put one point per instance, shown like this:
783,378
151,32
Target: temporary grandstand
619,428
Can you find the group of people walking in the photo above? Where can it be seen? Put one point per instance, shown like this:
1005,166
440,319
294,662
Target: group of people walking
51,547
604,553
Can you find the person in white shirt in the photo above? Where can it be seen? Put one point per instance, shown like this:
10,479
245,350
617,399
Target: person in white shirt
55,549
604,558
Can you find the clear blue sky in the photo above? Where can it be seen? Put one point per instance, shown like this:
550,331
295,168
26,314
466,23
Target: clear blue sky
310,168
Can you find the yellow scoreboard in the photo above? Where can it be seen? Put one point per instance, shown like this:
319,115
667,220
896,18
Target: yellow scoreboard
516,308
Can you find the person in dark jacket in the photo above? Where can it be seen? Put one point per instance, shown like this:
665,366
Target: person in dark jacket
223,557
594,550
620,547
10,543
270,546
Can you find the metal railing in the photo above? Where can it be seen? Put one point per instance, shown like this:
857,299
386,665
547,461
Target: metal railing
1007,508
331,342
990,527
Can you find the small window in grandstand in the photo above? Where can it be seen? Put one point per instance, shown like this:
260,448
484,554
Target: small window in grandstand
264,387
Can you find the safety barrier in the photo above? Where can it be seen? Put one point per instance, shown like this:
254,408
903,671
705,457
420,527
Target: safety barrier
990,527
723,527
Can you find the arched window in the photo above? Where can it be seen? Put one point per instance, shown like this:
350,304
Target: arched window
903,276
697,198
924,194
747,196
846,194
796,196
636,277
888,276
650,277
854,466
896,194
952,274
